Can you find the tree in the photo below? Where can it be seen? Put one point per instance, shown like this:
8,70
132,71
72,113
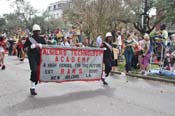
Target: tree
168,11
2,24
141,9
94,16
12,22
104,15
25,12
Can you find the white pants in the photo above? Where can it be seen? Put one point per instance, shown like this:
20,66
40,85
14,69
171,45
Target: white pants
2,49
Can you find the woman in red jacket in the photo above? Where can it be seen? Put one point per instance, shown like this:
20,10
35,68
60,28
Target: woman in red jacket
2,52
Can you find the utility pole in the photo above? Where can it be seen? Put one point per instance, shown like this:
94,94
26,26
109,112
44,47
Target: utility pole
144,16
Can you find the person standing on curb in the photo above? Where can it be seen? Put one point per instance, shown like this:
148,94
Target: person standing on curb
33,45
146,55
108,56
129,52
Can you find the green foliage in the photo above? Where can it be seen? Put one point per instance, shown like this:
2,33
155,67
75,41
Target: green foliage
2,24
13,22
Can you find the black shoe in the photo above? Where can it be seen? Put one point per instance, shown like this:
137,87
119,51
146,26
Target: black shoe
36,82
107,74
32,92
21,60
104,82
3,67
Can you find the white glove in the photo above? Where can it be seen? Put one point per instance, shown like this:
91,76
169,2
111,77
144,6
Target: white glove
105,48
33,46
39,45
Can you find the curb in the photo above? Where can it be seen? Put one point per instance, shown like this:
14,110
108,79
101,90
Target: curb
147,77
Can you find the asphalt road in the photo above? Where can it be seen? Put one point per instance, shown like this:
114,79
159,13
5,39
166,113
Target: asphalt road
136,97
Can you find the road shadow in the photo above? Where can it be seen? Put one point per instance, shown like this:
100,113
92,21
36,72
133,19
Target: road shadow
127,78
40,102
19,63
132,79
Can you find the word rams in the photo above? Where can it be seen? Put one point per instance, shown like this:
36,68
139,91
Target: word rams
55,77
71,59
51,51
71,71
48,71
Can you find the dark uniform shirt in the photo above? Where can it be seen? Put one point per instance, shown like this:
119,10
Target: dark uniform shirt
34,57
36,51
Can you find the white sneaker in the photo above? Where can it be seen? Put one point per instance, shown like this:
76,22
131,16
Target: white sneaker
145,73
141,72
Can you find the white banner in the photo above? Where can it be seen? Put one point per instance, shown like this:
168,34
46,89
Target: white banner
70,64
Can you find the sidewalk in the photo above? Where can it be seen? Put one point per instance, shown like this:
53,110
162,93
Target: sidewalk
155,78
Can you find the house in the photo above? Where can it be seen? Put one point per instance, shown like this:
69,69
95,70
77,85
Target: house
56,9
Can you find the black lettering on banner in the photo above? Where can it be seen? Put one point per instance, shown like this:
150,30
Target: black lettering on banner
55,77
93,71
77,65
65,65
98,65
88,75
72,77
85,65
52,65
48,71
94,65
44,65
91,65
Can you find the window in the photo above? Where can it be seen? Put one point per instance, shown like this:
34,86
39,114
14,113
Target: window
49,8
54,7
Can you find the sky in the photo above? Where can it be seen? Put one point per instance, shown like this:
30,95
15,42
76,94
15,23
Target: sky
41,5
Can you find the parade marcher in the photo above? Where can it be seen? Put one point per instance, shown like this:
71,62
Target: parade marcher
2,52
20,47
108,56
33,45
11,42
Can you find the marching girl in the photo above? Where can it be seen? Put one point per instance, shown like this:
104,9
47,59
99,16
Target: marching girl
2,52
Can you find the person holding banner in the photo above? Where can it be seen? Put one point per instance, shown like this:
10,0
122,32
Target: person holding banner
33,45
108,56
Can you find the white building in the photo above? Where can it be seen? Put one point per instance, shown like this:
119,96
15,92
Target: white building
56,9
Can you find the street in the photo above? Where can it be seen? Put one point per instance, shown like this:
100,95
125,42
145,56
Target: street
136,97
